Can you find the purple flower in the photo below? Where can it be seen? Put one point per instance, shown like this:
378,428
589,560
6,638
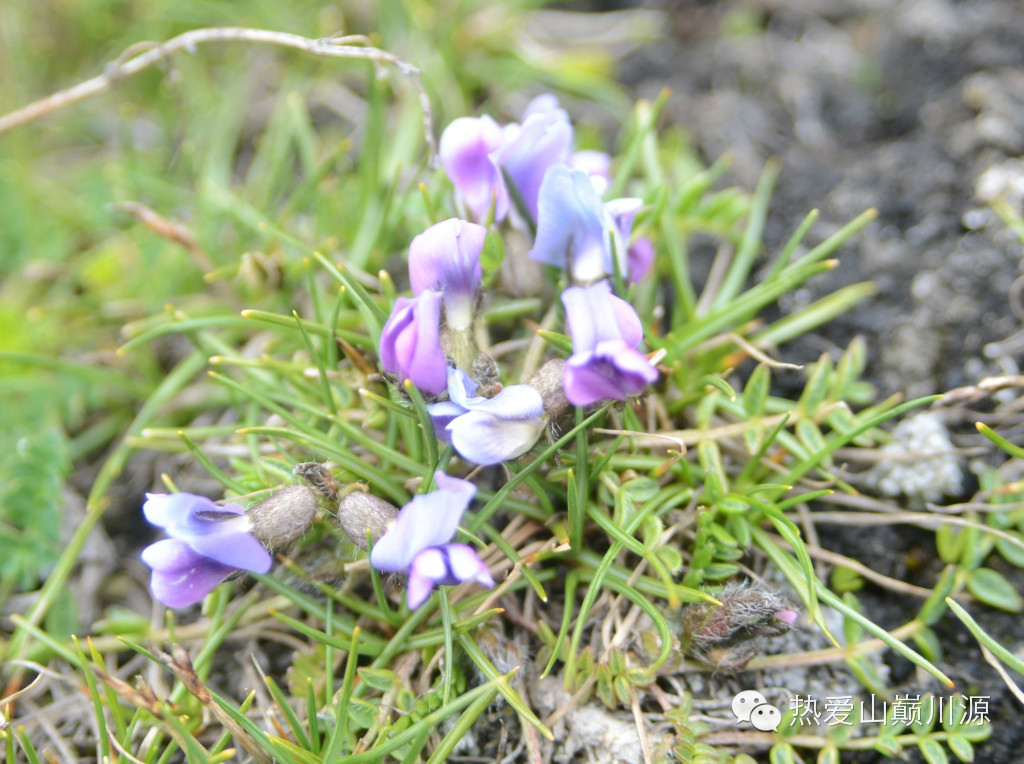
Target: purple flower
595,164
446,257
488,430
410,343
543,140
640,254
606,333
208,543
418,544
466,148
578,232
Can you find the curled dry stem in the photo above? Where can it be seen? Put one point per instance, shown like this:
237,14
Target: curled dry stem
144,55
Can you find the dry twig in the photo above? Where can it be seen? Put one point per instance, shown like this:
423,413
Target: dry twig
130,63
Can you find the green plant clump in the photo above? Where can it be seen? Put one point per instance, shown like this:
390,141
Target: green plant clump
620,534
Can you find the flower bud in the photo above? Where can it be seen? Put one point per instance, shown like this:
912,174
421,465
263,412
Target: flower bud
361,514
727,635
548,382
485,374
284,518
320,479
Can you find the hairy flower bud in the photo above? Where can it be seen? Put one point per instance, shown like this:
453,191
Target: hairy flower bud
485,373
548,382
320,479
727,635
361,514
284,518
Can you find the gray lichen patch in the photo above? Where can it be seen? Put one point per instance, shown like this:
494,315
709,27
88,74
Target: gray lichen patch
924,462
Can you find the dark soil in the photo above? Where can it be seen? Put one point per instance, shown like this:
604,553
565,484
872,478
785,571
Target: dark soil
900,106
915,108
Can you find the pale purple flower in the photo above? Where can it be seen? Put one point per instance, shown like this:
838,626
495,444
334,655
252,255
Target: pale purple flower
639,259
446,258
597,165
465,149
606,333
578,232
488,430
418,544
410,343
208,542
543,140
639,254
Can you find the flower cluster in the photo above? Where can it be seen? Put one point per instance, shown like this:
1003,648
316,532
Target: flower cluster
430,338
209,542
478,155
524,177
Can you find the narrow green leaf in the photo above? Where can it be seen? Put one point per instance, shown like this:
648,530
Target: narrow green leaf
502,685
715,480
1000,441
1000,652
794,241
755,392
281,700
833,242
739,269
310,327
814,315
461,728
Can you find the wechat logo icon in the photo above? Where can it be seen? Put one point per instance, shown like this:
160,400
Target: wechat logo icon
751,706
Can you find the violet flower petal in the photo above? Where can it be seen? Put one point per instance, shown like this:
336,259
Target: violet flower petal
605,334
410,343
428,520
187,513
484,438
426,571
218,532
239,549
182,576
461,390
611,370
515,402
572,226
623,212
465,565
441,415
493,430
543,140
594,314
640,257
597,165
488,430
465,150
547,106
639,254
445,566
461,387
446,257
